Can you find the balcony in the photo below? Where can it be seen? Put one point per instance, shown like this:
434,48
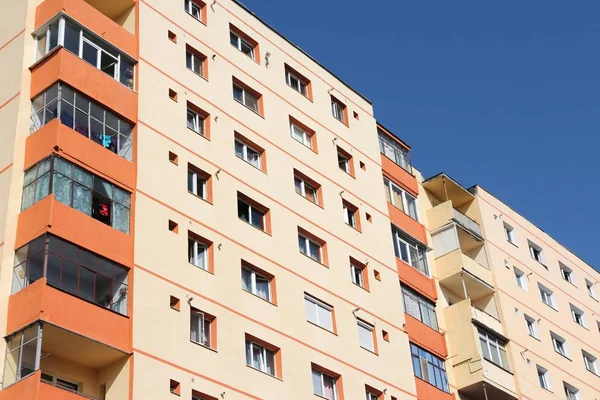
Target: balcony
445,213
392,150
463,276
476,376
44,361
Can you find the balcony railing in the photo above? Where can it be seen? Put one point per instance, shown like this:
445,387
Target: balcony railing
62,387
467,222
394,153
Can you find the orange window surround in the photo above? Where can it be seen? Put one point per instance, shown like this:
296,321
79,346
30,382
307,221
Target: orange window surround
263,154
300,77
338,378
255,93
343,107
202,57
319,241
309,131
210,247
347,156
274,349
269,276
206,176
363,271
356,212
213,326
313,183
266,211
238,32
205,119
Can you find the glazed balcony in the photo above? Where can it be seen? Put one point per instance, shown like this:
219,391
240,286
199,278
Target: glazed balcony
44,361
479,372
395,159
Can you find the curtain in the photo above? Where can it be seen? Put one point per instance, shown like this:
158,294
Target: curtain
195,327
262,287
328,388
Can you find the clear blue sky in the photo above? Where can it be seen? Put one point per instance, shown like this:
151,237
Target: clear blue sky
505,94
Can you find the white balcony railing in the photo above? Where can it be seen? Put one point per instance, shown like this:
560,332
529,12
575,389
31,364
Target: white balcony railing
467,222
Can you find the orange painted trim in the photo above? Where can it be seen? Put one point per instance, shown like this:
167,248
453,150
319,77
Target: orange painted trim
209,245
363,271
268,275
338,378
293,71
64,66
384,213
287,54
356,212
9,100
344,109
311,133
427,391
253,92
319,241
243,139
12,39
255,204
399,175
209,183
416,280
205,119
425,337
270,328
191,372
247,38
91,19
235,65
40,301
313,183
262,256
201,56
407,224
6,168
274,349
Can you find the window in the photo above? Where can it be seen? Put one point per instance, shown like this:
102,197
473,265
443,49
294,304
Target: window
591,288
324,385
571,391
358,274
201,326
196,395
591,363
22,355
84,116
319,313
509,231
310,246
252,212
60,383
366,336
256,281
194,61
72,269
196,120
531,326
345,162
244,95
197,252
394,151
493,349
410,251
429,368
536,252
196,9
567,273
78,189
351,215
520,278
307,188
260,357
87,46
560,344
419,307
339,110
543,377
297,82
302,134
400,198
547,296
197,182
243,42
578,315
371,396
249,152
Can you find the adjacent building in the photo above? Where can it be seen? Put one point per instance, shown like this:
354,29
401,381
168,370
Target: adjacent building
190,207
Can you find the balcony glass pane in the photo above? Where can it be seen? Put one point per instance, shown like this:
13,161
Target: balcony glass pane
71,40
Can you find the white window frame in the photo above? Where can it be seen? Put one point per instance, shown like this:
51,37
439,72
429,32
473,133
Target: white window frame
510,233
252,363
350,216
571,392
404,198
578,315
521,279
532,327
195,188
560,345
323,377
239,41
346,162
302,87
319,304
203,334
195,58
591,288
250,215
356,273
402,242
535,249
547,296
544,378
244,156
591,363
567,273
303,186
245,93
366,328
253,288
337,110
371,396
306,137
190,7
494,345
307,242
198,255
197,122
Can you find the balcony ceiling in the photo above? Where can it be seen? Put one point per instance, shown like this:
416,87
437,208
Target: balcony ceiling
113,9
76,348
477,391
475,287
455,191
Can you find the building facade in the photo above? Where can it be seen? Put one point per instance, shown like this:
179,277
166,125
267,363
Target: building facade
190,207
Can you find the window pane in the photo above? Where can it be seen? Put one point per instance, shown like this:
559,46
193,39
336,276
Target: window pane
262,287
257,218
311,311
62,188
246,280
324,316
317,386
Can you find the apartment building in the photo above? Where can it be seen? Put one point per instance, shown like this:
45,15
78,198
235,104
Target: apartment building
187,210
